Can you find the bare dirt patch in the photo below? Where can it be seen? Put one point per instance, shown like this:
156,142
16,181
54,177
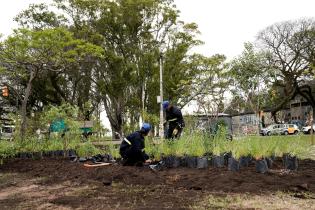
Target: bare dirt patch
59,183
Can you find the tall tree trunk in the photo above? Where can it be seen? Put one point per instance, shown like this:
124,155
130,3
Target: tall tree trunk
312,124
115,116
24,104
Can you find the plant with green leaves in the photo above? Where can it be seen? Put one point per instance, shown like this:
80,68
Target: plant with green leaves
219,141
297,148
7,150
168,147
87,149
68,115
255,148
236,148
112,150
30,144
53,144
196,145
28,54
154,148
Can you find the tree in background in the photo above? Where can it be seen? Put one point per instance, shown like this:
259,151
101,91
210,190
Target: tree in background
290,49
250,77
132,34
210,83
28,54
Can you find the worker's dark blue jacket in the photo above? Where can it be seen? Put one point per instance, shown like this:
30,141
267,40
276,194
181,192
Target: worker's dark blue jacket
174,113
135,147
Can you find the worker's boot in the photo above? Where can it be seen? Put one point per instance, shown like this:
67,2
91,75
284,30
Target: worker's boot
139,164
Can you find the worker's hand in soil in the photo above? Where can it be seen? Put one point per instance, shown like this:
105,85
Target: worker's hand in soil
148,161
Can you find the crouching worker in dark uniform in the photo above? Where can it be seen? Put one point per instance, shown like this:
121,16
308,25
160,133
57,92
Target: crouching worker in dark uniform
132,147
175,120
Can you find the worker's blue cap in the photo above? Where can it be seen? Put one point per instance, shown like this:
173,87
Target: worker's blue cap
146,127
165,104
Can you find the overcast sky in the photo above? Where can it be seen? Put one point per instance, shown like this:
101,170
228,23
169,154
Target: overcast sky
225,24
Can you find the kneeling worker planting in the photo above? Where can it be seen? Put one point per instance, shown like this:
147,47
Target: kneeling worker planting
132,147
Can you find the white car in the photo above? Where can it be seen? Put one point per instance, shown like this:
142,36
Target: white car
280,129
307,129
271,129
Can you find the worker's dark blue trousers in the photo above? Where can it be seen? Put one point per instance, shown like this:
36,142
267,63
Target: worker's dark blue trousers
132,156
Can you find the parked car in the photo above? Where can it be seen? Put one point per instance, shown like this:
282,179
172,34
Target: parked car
280,129
270,130
307,129
289,129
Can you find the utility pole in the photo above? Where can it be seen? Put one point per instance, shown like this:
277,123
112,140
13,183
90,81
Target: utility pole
161,130
258,107
312,127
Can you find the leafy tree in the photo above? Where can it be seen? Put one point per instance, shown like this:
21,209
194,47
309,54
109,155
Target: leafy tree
28,54
209,83
250,77
39,16
290,49
132,34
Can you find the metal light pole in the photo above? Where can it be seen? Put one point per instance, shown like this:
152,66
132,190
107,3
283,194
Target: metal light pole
312,128
161,130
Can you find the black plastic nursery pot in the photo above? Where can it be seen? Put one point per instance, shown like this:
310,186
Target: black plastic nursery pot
233,164
183,161
46,154
171,161
21,155
71,153
49,153
226,157
218,161
202,162
261,166
290,162
37,155
245,161
108,158
273,157
269,162
191,162
25,155
29,155
58,153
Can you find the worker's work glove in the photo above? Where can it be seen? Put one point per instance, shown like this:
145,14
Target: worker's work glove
175,131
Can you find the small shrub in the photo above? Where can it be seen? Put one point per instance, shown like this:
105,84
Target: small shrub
7,150
87,149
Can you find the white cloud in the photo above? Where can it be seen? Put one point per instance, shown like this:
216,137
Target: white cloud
9,10
226,24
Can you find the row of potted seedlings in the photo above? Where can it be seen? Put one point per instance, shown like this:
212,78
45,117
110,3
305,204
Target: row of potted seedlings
262,165
256,152
39,155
